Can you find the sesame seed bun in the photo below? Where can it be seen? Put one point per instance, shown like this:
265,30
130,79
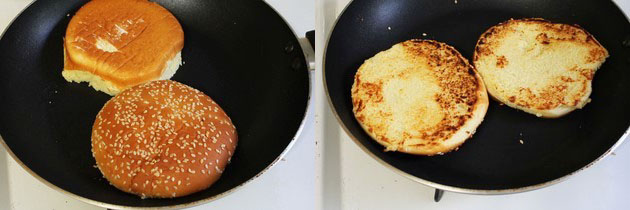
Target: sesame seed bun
162,139
117,44
419,97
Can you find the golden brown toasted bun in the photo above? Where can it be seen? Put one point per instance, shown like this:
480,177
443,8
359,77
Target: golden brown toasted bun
539,67
162,139
419,97
116,44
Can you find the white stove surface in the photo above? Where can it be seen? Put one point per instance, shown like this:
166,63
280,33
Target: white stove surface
360,182
287,185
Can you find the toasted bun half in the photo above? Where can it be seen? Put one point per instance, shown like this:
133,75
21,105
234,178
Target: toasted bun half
116,44
537,66
162,139
419,97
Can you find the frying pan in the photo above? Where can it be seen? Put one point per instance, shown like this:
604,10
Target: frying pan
492,161
239,52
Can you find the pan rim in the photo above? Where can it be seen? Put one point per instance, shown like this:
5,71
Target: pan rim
207,200
443,186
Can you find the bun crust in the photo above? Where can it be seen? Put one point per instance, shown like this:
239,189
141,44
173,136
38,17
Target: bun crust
162,139
419,97
537,66
116,44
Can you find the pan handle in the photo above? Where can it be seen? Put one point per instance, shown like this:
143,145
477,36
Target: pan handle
308,46
438,195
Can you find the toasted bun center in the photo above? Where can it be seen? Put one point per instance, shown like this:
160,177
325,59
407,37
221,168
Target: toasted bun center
418,94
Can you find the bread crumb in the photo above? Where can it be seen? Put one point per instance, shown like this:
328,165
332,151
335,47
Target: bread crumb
389,28
521,141
68,15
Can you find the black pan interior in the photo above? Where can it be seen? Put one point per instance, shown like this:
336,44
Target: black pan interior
239,52
493,159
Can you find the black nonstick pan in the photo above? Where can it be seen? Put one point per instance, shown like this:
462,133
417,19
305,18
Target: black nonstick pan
493,161
239,52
